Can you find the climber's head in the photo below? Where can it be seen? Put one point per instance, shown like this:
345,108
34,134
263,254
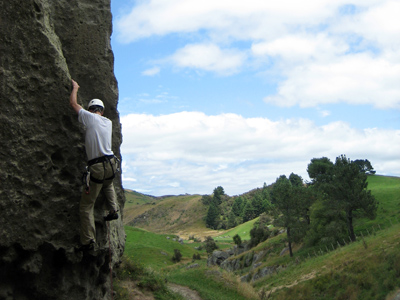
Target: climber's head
96,106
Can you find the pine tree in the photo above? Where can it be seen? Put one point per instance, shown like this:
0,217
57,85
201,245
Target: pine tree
212,216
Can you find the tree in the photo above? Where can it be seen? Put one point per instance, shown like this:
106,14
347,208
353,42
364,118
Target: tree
206,199
327,228
231,220
295,180
319,169
237,206
237,240
210,245
292,203
257,204
364,165
287,214
217,195
177,256
347,192
212,216
248,212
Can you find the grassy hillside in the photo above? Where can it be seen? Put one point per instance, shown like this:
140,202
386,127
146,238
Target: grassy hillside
366,269
155,250
180,215
243,230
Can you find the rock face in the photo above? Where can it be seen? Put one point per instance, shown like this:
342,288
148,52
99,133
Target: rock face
43,44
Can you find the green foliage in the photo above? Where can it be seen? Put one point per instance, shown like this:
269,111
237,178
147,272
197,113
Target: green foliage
232,222
248,212
237,240
212,216
196,256
206,199
327,227
295,180
319,169
177,256
258,234
210,245
364,165
237,206
346,192
288,210
217,195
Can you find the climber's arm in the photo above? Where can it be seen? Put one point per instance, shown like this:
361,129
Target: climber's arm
73,98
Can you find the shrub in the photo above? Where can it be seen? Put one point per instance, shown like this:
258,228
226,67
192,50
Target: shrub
237,239
177,256
210,245
258,234
196,256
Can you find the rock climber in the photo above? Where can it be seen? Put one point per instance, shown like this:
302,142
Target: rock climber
102,165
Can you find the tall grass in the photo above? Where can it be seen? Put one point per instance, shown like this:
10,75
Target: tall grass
212,283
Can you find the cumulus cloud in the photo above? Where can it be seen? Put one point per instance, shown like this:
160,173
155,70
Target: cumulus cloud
208,57
323,52
190,152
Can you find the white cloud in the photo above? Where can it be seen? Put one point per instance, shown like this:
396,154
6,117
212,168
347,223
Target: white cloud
208,57
192,152
323,52
354,79
151,72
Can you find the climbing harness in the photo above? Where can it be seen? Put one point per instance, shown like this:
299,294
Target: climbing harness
104,159
110,261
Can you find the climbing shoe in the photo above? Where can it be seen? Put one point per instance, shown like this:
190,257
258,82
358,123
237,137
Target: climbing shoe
111,216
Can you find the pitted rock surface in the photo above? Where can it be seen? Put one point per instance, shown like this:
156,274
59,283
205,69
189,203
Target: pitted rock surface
43,44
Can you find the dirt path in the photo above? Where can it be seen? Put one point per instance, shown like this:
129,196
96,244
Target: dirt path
187,293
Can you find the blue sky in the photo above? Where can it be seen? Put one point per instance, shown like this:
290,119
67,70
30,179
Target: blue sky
237,93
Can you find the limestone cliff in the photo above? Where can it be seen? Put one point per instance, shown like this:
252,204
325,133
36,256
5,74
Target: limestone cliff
45,43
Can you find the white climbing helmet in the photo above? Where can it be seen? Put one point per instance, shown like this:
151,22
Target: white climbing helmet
95,102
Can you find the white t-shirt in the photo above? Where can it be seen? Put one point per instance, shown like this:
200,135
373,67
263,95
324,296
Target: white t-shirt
98,134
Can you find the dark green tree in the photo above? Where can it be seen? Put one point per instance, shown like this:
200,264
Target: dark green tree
327,228
217,195
319,170
210,245
237,206
248,212
347,192
364,165
177,256
206,199
237,240
295,180
257,204
212,216
288,210
231,220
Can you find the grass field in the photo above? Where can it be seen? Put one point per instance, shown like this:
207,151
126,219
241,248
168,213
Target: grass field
366,269
243,230
155,250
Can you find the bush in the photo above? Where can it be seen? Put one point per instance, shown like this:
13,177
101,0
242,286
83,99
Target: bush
196,256
237,240
258,234
177,256
210,245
